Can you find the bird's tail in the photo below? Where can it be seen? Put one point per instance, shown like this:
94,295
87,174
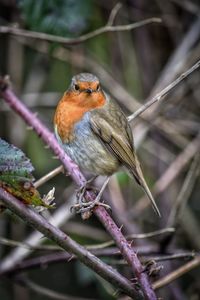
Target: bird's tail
137,173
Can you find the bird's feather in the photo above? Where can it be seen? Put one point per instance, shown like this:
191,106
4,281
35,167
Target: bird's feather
120,143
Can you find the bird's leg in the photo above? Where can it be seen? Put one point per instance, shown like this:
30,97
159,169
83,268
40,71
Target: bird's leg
98,198
80,192
82,206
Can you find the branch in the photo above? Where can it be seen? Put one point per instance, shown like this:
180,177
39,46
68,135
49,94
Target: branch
113,14
168,231
170,173
161,96
14,243
126,248
64,241
185,192
147,254
73,41
177,273
48,176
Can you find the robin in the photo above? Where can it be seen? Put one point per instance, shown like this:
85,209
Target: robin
94,131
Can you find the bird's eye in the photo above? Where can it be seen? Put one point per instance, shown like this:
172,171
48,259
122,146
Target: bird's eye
98,87
76,86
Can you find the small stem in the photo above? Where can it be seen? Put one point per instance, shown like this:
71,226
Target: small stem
73,41
48,176
160,96
177,273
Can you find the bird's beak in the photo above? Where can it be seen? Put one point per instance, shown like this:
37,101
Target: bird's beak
89,91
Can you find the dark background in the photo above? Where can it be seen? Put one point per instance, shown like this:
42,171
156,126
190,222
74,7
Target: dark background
141,62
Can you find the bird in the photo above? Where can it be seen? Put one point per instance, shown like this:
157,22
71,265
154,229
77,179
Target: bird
94,131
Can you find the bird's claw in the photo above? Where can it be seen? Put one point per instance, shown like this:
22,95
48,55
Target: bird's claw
83,207
80,192
86,208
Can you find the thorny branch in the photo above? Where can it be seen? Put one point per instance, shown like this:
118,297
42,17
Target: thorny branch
126,249
60,238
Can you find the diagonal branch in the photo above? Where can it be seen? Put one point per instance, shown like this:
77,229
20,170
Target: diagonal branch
185,192
177,273
126,248
60,238
161,95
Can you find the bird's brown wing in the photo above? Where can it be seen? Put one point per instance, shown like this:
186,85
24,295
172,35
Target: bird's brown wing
115,140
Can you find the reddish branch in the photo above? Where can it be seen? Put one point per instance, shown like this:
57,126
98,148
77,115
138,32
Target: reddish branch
60,238
126,248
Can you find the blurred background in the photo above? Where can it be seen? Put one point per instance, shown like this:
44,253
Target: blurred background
132,66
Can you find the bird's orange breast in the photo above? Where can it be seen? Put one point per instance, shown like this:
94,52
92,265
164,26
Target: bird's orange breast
71,109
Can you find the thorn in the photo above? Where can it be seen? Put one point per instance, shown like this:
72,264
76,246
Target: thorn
29,127
134,280
55,157
130,243
116,293
4,83
35,114
71,257
120,228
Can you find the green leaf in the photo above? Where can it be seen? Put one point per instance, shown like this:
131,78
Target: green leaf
16,175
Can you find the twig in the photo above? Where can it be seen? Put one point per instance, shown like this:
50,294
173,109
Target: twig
151,234
161,258
48,176
126,249
60,238
13,243
73,41
190,225
179,57
177,273
174,256
171,173
146,254
160,96
185,192
113,14
136,236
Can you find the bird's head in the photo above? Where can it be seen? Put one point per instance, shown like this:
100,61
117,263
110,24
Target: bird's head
85,91
85,83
